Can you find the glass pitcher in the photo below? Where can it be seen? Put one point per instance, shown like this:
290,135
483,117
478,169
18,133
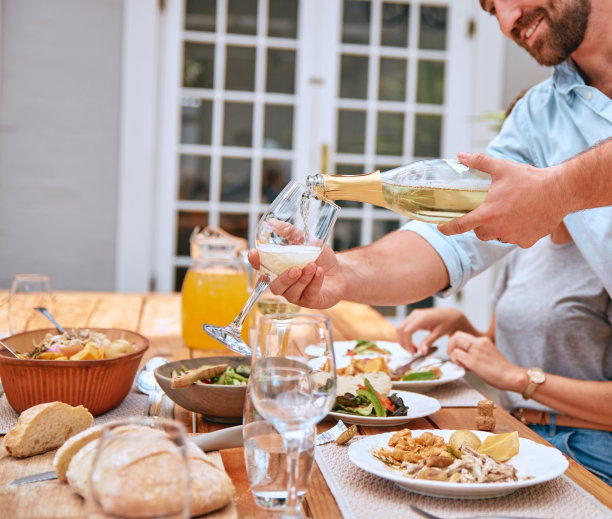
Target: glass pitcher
215,287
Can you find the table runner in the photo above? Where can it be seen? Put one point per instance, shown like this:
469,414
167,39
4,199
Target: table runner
134,404
458,393
361,495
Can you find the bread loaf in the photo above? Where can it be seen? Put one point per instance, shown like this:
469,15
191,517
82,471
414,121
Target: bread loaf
45,427
71,446
139,473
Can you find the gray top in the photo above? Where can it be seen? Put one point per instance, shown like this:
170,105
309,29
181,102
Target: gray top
553,312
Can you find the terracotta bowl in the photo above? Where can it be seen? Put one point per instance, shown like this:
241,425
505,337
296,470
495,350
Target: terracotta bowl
216,403
98,385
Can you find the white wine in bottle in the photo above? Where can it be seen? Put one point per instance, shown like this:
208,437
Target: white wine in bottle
434,190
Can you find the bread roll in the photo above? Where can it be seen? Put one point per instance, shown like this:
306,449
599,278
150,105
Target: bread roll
140,475
45,427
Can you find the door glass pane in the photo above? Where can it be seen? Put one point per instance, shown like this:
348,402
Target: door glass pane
274,177
199,65
194,177
390,134
242,16
392,79
236,224
235,179
432,33
281,71
430,84
347,234
283,18
354,77
278,131
196,121
186,222
356,22
428,135
394,31
238,124
351,131
240,68
200,15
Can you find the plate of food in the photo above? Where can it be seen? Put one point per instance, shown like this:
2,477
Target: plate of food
363,356
368,399
490,465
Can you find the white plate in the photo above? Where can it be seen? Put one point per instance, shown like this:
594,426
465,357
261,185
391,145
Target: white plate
535,463
418,406
399,356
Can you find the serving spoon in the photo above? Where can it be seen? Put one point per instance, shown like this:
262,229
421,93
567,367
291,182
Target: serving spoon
48,315
8,349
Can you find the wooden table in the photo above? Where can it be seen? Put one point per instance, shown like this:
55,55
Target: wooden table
157,316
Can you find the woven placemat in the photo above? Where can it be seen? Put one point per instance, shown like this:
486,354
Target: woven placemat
134,404
361,495
458,393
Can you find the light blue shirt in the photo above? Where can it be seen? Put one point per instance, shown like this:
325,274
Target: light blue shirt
554,121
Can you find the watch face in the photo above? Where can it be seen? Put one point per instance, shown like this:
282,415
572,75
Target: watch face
536,375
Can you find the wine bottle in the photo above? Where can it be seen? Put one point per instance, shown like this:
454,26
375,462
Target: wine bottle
435,190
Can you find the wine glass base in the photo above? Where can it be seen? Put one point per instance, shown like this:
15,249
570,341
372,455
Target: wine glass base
228,337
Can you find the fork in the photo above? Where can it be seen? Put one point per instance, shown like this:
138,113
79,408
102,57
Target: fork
487,516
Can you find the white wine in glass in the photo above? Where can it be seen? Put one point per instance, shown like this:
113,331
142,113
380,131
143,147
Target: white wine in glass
291,232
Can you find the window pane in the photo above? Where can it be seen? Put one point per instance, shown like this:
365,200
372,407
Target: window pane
278,131
283,18
274,177
281,71
194,177
351,131
354,77
394,32
240,68
432,33
381,228
347,234
390,134
200,15
186,222
236,224
199,65
235,179
238,124
430,84
356,22
196,121
179,276
392,79
242,16
427,135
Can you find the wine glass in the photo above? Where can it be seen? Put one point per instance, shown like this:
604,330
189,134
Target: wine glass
293,386
27,292
139,469
291,233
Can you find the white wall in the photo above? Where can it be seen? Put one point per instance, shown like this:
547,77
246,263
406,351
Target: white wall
59,122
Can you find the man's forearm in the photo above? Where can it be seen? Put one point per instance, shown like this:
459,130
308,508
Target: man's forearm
400,268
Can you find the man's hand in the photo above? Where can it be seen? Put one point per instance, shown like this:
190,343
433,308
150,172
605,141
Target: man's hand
523,204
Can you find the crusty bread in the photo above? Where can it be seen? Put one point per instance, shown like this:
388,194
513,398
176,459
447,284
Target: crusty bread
380,381
45,427
138,475
71,446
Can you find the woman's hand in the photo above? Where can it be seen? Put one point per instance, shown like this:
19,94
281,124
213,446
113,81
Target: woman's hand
438,321
481,356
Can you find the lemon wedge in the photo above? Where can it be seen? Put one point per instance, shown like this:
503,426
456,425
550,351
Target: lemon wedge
501,447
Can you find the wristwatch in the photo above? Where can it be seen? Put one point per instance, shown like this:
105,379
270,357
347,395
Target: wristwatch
536,377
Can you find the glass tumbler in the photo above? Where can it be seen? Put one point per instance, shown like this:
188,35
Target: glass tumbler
27,292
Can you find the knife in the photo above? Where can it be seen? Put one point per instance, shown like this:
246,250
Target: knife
402,369
41,476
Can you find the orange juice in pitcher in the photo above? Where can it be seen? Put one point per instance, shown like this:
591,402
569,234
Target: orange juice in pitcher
215,288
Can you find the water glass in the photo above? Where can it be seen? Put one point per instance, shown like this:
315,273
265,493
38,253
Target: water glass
27,292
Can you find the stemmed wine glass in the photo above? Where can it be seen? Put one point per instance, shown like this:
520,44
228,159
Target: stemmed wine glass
293,386
291,233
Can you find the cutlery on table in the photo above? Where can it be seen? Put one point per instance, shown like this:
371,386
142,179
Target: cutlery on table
485,516
401,370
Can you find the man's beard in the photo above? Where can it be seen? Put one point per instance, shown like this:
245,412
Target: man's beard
565,32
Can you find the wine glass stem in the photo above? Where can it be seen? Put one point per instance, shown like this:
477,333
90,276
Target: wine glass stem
263,281
293,446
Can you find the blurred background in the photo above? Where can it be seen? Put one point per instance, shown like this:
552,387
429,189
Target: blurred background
126,123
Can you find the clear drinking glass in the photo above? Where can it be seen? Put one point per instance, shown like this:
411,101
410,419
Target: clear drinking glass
27,292
291,232
140,469
293,387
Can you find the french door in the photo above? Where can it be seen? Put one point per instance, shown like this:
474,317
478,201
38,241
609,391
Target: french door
255,92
